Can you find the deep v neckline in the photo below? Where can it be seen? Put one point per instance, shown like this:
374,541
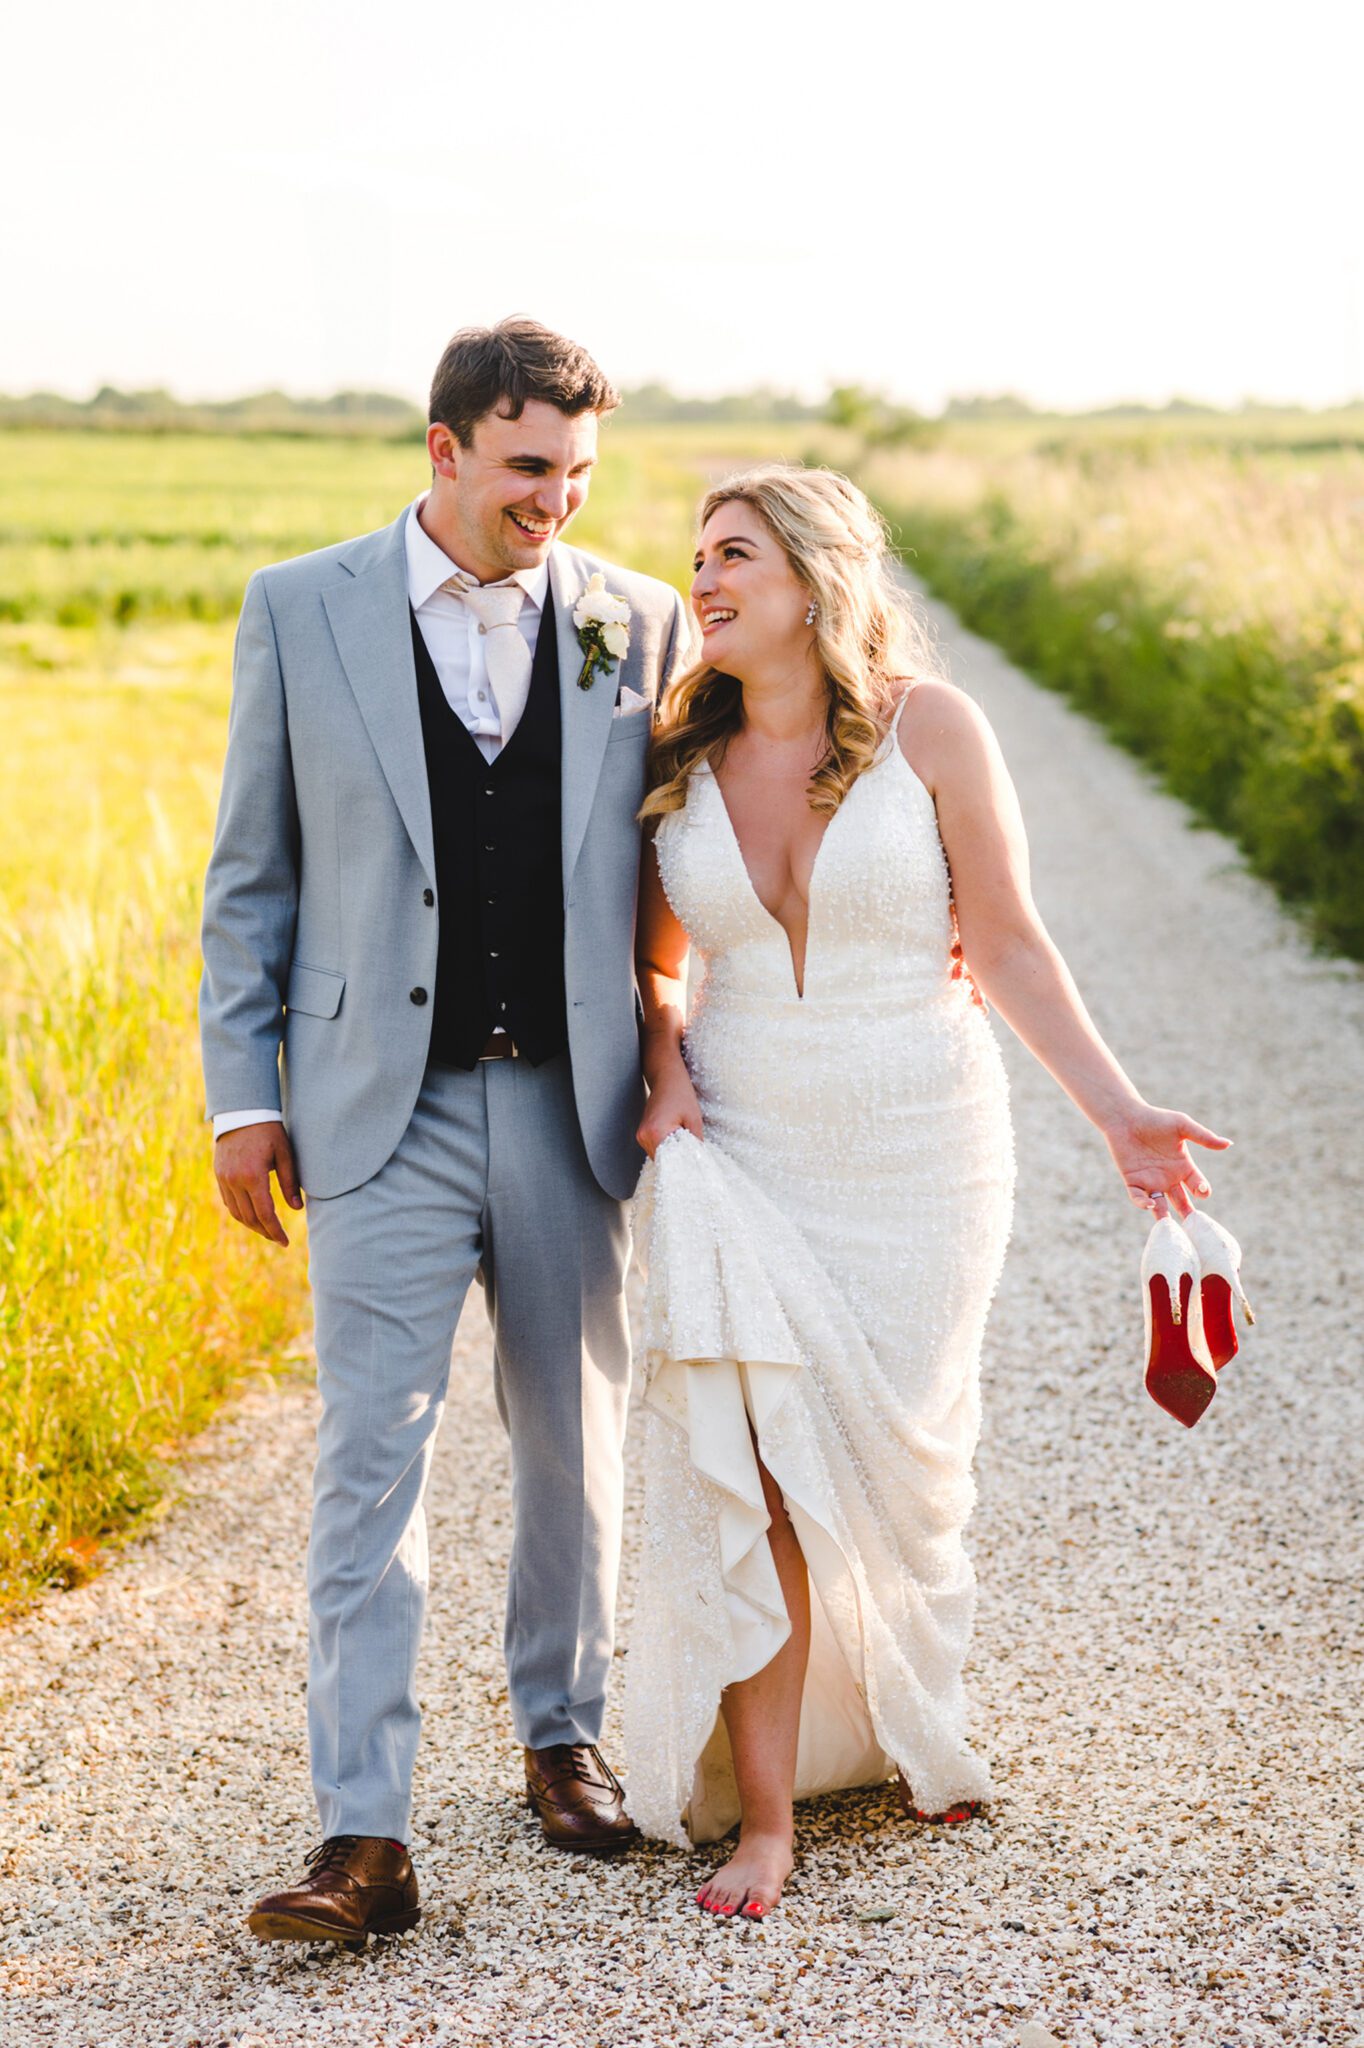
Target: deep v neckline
799,982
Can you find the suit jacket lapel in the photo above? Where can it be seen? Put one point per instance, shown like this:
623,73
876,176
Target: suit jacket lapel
585,715
371,622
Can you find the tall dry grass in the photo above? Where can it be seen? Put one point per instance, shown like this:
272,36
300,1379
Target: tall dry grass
1204,602
127,1301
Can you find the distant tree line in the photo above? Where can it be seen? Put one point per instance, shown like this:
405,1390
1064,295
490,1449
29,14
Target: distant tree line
372,413
877,420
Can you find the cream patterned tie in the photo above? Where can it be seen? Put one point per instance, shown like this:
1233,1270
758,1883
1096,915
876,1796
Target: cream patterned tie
497,607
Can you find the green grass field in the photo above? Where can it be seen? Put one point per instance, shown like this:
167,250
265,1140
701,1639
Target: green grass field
1199,595
123,528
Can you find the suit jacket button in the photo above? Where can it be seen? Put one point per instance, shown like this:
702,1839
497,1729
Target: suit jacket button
428,897
418,996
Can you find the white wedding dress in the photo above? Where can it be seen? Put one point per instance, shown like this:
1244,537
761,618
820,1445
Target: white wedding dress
819,1271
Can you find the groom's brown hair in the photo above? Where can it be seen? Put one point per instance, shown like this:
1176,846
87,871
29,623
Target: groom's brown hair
497,369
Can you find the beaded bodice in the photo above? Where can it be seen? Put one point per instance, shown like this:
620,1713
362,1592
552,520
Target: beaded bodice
880,921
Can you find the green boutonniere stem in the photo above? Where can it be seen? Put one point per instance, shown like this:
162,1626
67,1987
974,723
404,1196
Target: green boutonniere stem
597,657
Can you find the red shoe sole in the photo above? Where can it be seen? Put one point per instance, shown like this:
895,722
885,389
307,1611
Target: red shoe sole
1175,1379
1219,1326
950,1817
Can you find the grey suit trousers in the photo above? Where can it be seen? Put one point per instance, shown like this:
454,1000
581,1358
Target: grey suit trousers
490,1180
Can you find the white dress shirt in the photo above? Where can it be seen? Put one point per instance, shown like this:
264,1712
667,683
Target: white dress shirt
455,645
451,633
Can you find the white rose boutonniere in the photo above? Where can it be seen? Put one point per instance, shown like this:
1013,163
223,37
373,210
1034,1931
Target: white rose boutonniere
602,621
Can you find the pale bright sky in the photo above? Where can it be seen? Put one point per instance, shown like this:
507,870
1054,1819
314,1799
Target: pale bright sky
1080,202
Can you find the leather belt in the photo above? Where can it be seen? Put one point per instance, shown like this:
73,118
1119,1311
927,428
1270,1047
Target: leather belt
500,1047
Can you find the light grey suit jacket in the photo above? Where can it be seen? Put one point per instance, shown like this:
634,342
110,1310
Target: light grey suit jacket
316,928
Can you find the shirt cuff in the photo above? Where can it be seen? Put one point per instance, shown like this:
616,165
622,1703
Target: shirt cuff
237,1119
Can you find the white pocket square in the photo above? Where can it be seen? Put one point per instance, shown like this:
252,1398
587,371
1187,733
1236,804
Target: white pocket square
630,702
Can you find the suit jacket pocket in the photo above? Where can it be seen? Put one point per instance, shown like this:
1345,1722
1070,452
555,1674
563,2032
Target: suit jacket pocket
314,990
630,725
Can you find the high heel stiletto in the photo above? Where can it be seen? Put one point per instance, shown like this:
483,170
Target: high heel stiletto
1180,1377
1219,1256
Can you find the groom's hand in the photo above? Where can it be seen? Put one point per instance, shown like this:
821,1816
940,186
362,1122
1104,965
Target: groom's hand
243,1161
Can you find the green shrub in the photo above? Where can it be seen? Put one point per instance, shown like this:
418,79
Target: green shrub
1248,702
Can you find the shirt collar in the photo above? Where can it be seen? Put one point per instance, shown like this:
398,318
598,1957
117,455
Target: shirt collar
428,566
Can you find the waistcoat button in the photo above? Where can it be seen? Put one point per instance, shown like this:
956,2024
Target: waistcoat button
417,996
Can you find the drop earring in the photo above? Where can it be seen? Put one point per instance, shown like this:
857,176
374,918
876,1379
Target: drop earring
812,614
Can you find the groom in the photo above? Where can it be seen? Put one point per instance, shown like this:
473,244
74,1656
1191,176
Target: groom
418,1006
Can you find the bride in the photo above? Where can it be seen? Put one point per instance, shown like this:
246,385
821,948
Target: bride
831,831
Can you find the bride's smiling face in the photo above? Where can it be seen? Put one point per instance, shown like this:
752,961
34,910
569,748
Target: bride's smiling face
748,601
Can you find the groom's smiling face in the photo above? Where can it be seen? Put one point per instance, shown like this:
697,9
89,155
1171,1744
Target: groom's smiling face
500,504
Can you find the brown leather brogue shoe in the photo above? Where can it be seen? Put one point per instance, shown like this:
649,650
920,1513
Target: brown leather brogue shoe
357,1885
578,1798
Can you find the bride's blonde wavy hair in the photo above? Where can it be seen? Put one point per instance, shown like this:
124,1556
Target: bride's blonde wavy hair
868,636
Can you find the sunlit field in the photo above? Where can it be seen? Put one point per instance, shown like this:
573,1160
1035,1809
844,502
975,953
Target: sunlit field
1199,596
133,527
128,1301
1202,598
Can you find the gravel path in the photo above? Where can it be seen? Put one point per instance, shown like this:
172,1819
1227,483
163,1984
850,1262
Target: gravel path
1166,1665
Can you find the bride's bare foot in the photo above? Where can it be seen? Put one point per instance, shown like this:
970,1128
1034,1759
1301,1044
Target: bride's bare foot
750,1883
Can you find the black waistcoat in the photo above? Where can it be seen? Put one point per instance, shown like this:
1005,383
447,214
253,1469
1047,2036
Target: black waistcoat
499,869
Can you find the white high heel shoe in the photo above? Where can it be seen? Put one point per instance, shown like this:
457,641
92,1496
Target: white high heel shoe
1180,1376
1219,1256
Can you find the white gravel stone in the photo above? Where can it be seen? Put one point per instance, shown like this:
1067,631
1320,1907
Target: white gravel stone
1166,1663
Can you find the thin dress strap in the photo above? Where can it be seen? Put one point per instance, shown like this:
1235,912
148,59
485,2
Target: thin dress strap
889,738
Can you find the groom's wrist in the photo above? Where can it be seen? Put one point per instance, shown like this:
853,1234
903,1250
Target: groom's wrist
237,1120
